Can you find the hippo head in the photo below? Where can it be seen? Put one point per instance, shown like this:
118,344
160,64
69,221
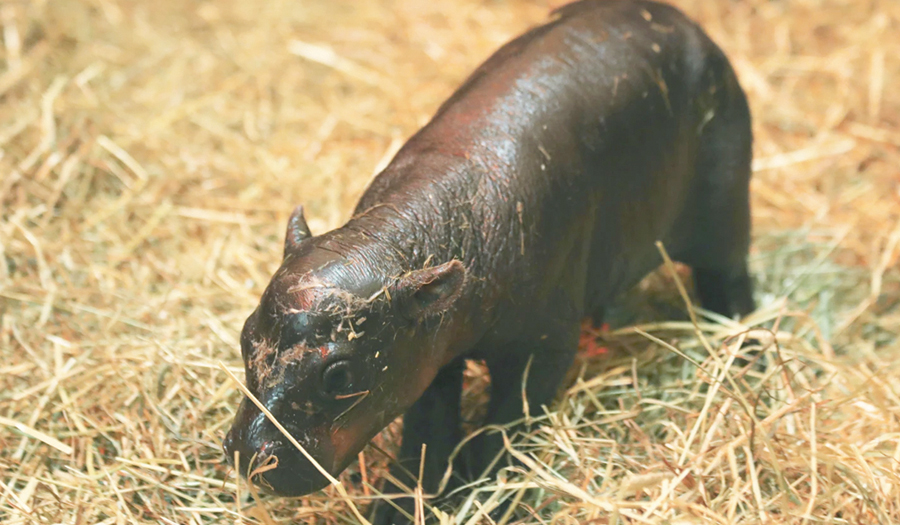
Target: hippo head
337,348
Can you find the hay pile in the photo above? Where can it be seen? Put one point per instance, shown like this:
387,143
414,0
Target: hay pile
151,151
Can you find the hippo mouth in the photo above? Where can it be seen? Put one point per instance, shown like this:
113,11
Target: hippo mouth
280,469
271,461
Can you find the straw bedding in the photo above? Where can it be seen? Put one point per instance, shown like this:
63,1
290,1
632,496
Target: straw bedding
150,153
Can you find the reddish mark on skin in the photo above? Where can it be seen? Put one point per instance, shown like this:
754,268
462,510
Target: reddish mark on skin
587,343
348,440
342,440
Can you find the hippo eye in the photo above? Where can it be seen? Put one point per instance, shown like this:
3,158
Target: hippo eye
337,378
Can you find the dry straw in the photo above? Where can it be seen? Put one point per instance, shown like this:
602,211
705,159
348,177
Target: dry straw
151,151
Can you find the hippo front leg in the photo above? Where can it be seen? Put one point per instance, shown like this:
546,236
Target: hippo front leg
433,421
535,368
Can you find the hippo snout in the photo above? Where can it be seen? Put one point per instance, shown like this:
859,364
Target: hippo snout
284,471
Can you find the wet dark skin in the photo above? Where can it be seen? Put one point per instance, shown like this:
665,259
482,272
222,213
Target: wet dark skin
530,201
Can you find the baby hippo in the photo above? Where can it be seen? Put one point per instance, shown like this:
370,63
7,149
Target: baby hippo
532,198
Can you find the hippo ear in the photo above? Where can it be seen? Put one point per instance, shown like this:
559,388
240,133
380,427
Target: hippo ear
431,291
297,231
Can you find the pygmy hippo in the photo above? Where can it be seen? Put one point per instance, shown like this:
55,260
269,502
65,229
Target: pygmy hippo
532,198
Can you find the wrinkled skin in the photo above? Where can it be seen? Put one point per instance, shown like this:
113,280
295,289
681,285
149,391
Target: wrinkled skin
533,197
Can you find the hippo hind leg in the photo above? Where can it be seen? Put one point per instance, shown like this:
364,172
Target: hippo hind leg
720,238
726,292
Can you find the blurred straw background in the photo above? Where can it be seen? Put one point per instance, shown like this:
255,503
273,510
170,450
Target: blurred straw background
150,153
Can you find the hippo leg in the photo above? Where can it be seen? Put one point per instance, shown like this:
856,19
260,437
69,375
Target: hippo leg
598,316
550,357
433,421
726,292
721,236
